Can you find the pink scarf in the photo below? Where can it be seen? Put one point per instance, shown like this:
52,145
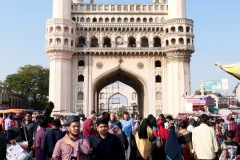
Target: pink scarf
87,132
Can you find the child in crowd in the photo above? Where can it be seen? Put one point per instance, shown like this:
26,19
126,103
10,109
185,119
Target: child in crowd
230,148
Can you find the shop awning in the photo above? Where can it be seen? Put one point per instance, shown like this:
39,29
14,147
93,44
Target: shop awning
233,69
213,108
16,111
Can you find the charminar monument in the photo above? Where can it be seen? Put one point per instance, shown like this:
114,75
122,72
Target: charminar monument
146,46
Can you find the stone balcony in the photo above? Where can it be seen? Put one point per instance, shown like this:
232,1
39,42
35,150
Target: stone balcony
50,48
120,8
131,51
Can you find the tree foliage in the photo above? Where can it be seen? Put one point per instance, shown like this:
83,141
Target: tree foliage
198,92
31,81
121,110
238,104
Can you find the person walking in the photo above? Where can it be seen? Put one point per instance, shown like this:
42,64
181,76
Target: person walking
142,137
51,137
114,120
173,148
31,129
185,139
105,146
8,127
88,128
43,123
2,121
127,125
235,128
204,140
163,133
3,146
230,148
72,146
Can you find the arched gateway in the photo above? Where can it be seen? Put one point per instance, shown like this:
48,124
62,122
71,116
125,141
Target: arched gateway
93,45
126,77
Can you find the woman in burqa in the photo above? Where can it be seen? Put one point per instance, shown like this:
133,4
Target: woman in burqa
144,145
173,148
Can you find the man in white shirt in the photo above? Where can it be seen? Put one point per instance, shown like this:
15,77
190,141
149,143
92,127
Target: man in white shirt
191,125
204,140
8,127
63,123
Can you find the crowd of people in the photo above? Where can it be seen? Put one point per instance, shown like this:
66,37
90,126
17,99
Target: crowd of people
131,138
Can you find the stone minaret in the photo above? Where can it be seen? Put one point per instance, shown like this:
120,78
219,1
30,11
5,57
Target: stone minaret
60,46
176,9
178,43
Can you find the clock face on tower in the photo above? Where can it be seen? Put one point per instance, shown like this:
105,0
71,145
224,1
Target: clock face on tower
119,40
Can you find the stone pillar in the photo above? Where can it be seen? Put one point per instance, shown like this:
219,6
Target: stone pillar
178,81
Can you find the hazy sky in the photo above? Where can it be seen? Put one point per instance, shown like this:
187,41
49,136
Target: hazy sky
216,29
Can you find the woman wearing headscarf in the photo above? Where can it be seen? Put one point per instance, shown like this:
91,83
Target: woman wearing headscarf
159,153
173,148
88,128
144,145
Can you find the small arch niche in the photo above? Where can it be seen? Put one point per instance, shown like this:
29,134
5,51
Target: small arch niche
173,29
65,42
119,20
81,42
58,41
167,43
131,20
158,64
66,29
157,42
180,29
81,63
51,29
158,79
94,42
173,41
181,41
107,42
80,96
80,78
58,29
144,42
131,42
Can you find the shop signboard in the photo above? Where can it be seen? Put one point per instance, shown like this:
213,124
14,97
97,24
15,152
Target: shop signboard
196,101
216,85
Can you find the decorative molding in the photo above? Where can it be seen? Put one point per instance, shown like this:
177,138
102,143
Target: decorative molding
140,65
99,65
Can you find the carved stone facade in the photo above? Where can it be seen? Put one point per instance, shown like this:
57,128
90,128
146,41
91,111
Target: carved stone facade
146,46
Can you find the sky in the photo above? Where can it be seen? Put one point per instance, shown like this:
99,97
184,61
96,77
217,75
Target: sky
216,29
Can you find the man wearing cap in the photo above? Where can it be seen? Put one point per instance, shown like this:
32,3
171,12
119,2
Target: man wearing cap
72,145
19,133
